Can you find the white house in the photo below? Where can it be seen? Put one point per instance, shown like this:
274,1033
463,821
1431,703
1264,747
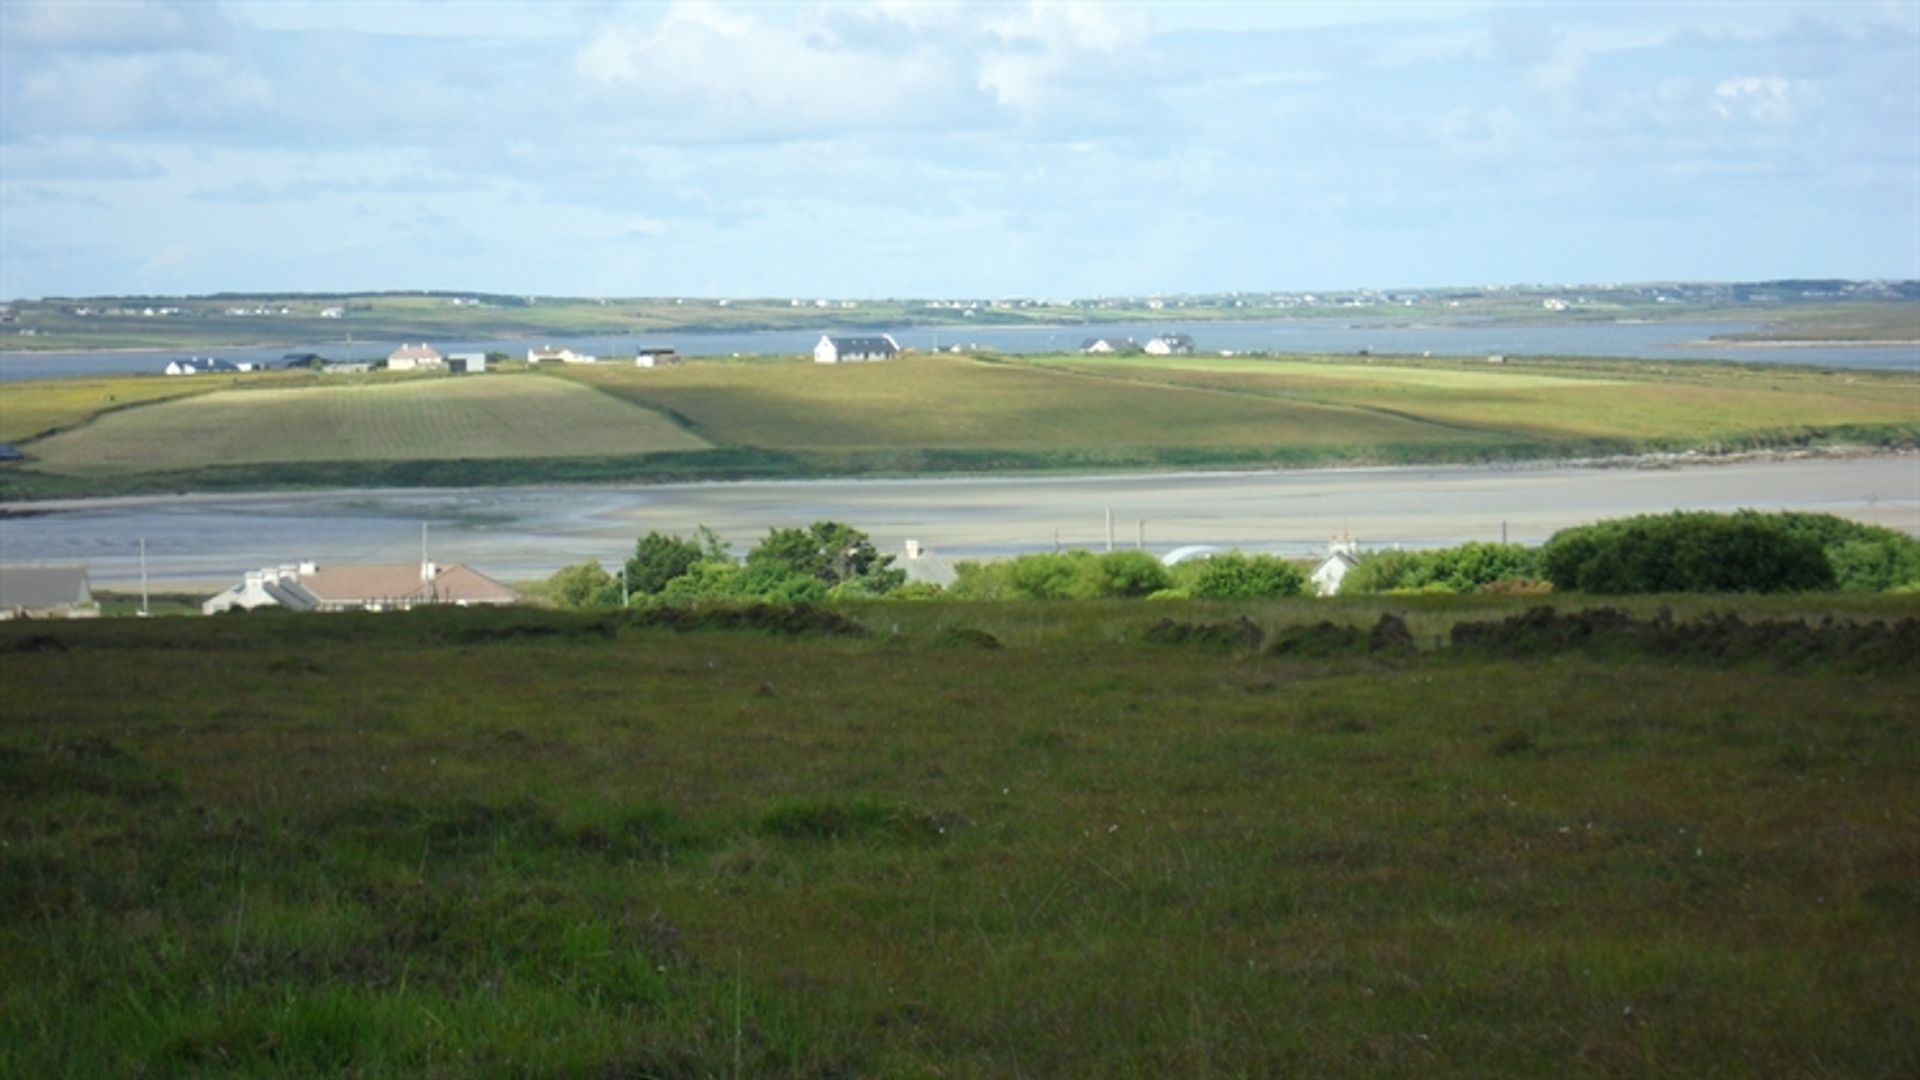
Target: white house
421,357
565,356
841,350
1343,554
660,356
1105,346
200,365
1170,345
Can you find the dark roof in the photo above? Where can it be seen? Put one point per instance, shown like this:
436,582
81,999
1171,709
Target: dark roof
10,452
862,344
38,587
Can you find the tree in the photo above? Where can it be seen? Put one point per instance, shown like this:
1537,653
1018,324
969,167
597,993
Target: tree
584,585
657,559
1234,576
830,553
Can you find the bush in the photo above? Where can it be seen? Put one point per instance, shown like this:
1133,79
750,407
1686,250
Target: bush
1063,575
583,585
1234,576
1685,552
1463,569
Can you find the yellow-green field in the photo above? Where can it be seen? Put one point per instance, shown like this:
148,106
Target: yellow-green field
790,417
504,416
37,407
957,403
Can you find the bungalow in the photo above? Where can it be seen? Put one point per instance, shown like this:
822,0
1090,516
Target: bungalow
660,356
1170,345
1102,346
1343,554
307,587
564,356
421,357
841,350
46,592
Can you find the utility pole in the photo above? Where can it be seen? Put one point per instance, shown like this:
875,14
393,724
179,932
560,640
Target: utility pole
1140,541
1109,528
1503,530
144,612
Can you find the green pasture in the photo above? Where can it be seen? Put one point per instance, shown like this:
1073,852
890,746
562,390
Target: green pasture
532,843
495,417
37,407
958,403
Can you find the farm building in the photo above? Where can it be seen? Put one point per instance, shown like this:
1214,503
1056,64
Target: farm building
46,592
549,354
421,357
841,350
467,363
1169,345
662,356
308,587
1343,554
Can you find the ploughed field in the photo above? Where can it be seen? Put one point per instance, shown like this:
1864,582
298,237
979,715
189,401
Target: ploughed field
790,417
951,839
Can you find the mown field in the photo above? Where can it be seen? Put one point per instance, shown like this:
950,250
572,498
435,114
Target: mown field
497,417
789,417
32,409
546,844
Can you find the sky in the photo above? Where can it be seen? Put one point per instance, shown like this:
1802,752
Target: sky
888,148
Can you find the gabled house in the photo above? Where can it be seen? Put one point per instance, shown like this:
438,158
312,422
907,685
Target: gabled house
421,357
841,350
1170,345
201,365
1343,554
1107,346
46,592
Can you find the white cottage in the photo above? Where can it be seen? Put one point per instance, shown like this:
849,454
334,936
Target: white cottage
1343,554
841,350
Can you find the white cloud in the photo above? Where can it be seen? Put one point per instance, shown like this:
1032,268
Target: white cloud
1769,100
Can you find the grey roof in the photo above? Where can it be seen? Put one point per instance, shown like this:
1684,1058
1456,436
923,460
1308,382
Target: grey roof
862,344
10,452
38,587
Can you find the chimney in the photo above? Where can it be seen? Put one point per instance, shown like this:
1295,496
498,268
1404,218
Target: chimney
913,549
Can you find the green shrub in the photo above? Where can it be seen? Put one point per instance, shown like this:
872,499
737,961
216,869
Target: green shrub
1234,576
1463,569
1685,552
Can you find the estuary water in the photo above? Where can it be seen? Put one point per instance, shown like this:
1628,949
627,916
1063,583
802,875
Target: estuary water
1677,341
528,532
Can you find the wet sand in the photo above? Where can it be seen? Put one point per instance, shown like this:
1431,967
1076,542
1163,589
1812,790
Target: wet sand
522,533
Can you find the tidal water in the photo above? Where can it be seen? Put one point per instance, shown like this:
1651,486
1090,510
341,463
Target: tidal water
1677,341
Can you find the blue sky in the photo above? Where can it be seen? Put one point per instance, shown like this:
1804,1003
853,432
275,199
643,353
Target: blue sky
891,148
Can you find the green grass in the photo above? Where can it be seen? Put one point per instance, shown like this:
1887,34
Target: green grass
787,417
40,407
495,417
521,842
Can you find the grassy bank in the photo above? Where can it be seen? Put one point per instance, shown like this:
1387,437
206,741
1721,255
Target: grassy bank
923,415
460,842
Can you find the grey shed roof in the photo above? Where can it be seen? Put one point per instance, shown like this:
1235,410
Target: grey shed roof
35,587
862,344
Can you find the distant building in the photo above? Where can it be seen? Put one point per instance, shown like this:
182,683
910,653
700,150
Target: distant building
922,565
46,592
421,357
841,350
549,354
1106,346
467,363
200,365
10,452
1343,554
307,587
1170,345
661,356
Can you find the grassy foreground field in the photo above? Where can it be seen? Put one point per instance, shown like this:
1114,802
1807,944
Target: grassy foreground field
716,419
453,843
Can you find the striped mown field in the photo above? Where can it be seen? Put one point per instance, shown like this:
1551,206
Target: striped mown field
498,416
